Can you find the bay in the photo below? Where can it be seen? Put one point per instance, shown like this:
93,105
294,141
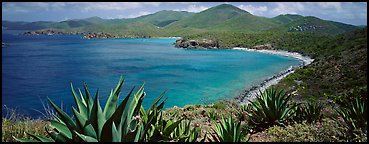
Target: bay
37,67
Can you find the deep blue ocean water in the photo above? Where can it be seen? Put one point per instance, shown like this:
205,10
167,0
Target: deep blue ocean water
36,67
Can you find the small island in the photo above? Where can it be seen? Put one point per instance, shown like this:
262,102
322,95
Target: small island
86,35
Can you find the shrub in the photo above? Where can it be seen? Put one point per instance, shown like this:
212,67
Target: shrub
219,105
189,108
197,105
326,131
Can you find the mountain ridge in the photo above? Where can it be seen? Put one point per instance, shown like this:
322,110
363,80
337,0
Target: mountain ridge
224,17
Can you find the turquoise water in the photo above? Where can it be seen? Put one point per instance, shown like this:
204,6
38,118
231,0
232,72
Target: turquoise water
36,67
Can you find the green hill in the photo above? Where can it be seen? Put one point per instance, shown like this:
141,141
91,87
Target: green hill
282,19
163,18
246,23
26,25
209,17
221,18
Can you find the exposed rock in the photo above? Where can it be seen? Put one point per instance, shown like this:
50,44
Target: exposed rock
182,43
264,46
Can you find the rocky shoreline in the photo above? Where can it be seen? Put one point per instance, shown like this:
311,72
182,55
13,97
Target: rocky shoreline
49,32
251,93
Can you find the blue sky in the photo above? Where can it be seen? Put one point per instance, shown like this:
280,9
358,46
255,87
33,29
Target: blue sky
354,13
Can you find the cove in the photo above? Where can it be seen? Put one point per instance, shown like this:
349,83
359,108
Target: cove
37,67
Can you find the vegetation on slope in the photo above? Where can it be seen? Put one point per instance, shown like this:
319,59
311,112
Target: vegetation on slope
339,71
316,25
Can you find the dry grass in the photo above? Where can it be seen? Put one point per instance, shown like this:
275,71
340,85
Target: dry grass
18,128
16,124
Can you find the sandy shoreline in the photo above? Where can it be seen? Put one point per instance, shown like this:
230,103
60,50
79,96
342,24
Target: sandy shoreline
249,94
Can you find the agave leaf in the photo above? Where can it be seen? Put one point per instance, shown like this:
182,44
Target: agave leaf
80,120
63,116
58,137
82,98
138,106
81,107
85,138
139,135
170,127
24,140
161,105
112,102
97,116
61,128
153,105
57,118
116,136
149,120
116,118
136,96
131,109
40,138
89,100
132,123
89,131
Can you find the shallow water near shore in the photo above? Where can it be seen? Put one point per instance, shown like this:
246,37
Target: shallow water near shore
36,67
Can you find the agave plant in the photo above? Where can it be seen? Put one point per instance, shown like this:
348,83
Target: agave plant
183,133
242,112
212,115
355,115
270,108
228,131
91,123
311,112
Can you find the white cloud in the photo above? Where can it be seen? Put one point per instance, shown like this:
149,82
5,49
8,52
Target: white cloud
254,10
84,6
193,8
182,2
32,6
88,6
13,8
336,5
287,8
141,13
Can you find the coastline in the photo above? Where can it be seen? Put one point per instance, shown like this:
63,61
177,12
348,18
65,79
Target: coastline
249,94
